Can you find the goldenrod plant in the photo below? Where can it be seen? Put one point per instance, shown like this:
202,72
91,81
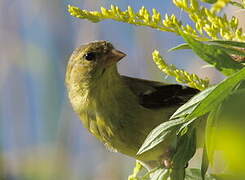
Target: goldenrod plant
208,24
181,76
219,41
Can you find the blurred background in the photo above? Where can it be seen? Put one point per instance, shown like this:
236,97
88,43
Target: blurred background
40,135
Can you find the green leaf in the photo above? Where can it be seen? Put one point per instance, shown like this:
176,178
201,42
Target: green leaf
212,55
225,131
190,174
211,127
181,46
159,134
211,97
231,50
183,129
229,43
209,1
177,174
185,150
218,94
205,163
191,105
160,174
195,174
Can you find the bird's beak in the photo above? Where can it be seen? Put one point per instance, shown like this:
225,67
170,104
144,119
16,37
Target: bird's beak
114,56
117,55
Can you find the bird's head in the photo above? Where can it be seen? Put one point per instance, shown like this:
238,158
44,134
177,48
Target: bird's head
91,61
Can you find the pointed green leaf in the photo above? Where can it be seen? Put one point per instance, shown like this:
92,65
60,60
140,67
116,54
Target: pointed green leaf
212,55
205,163
177,174
231,50
159,134
191,105
181,46
205,101
211,127
195,174
229,43
210,1
160,174
185,150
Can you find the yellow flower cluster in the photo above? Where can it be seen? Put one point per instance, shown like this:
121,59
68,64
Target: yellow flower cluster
216,27
219,5
141,18
207,23
181,76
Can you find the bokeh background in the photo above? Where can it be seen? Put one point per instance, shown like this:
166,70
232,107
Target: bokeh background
40,135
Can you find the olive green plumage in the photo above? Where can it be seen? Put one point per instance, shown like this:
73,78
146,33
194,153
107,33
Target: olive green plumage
120,111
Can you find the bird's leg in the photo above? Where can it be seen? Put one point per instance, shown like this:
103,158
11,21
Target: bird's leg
166,159
167,162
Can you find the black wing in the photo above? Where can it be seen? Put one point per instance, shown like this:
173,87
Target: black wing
155,95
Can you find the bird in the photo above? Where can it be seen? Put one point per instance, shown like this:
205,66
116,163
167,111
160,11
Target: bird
118,110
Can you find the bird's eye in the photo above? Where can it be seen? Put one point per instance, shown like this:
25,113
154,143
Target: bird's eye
90,56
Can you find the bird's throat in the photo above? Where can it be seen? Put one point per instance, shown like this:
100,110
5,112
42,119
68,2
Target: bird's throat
87,95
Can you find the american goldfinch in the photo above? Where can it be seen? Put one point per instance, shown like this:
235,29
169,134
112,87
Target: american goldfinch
119,110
